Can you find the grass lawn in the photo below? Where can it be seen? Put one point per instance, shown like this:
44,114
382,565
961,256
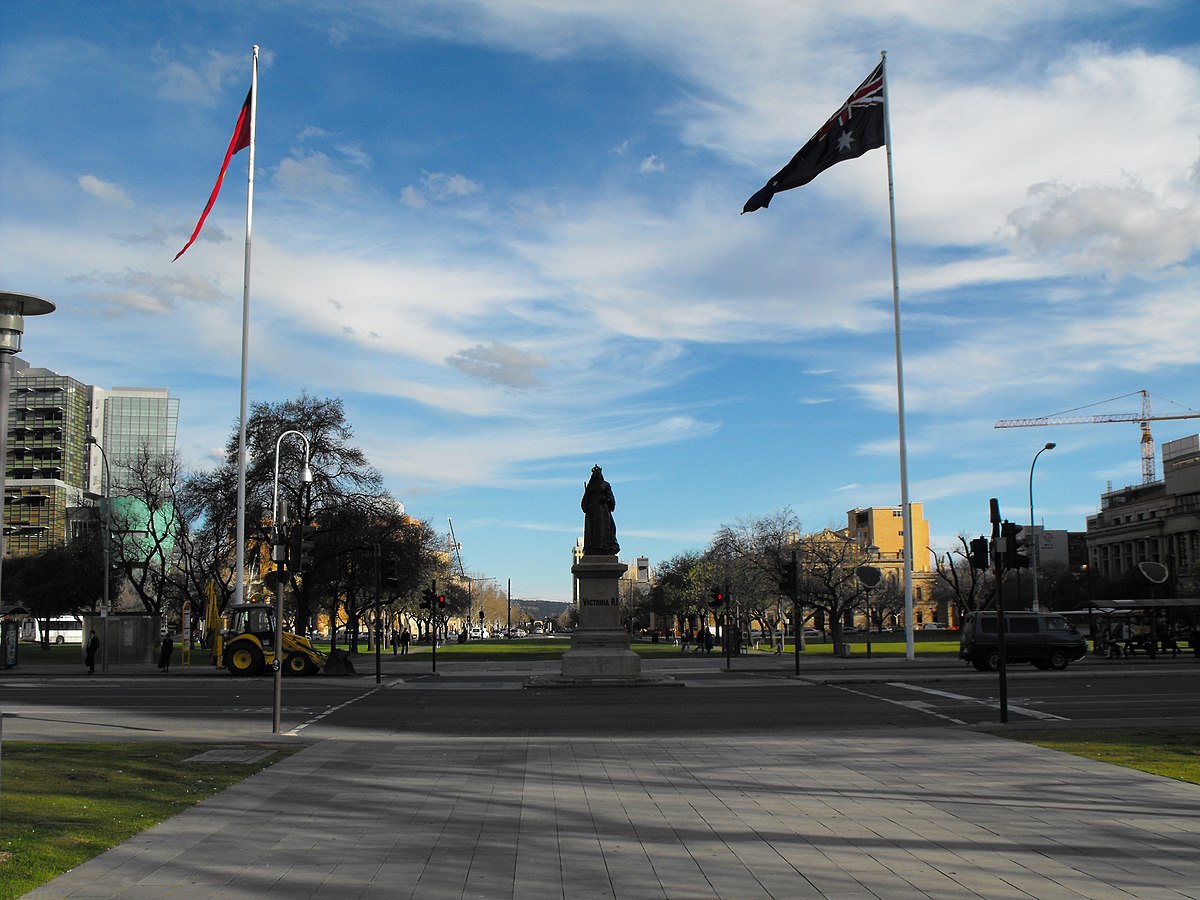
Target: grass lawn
1170,752
61,804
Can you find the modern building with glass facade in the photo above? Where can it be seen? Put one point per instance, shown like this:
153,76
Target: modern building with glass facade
51,468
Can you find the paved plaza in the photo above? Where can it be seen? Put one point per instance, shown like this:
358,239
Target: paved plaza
887,813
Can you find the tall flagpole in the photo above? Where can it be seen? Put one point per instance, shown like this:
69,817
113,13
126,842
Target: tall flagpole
905,508
239,586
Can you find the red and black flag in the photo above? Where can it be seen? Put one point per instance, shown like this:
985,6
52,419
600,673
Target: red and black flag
239,141
853,130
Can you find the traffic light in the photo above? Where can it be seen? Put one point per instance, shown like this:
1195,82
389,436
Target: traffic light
1014,547
717,598
390,571
302,544
788,581
979,553
428,599
441,603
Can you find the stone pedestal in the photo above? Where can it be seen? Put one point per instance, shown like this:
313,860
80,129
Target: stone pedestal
600,646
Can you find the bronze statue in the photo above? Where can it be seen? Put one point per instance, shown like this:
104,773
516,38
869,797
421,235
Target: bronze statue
599,529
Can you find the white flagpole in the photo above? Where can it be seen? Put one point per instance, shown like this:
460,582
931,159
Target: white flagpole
905,508
239,586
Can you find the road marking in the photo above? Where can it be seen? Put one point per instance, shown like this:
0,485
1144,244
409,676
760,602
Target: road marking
916,705
295,731
1022,710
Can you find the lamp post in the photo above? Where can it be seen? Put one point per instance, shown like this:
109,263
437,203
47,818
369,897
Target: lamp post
13,309
1037,544
305,478
105,607
869,576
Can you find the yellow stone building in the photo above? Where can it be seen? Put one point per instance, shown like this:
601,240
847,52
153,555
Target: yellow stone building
882,528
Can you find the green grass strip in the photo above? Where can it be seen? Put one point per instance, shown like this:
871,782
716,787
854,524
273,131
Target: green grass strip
1169,752
62,804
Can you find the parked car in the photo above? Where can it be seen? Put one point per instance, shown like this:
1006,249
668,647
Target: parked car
1047,640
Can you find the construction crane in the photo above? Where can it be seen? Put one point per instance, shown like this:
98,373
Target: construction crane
456,548
1143,419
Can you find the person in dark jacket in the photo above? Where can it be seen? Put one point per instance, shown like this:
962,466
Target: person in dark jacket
93,644
164,652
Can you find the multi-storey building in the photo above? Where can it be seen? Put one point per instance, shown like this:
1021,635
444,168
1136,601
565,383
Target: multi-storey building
1157,522
880,531
52,471
47,465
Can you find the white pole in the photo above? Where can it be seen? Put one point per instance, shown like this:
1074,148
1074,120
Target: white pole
906,509
239,585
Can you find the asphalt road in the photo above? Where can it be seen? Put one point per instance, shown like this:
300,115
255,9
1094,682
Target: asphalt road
701,697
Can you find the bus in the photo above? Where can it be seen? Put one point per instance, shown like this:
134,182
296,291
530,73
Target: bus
57,630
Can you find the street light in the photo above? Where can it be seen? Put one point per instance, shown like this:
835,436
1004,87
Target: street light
13,309
305,478
105,607
1037,544
869,576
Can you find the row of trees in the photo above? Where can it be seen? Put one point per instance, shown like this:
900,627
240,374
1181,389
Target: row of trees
748,560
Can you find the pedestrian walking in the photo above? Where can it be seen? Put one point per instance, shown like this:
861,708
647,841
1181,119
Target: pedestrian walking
708,639
395,641
686,641
405,640
93,644
164,652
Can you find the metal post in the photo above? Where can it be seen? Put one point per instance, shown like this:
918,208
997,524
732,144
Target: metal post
378,613
105,608
279,513
1037,544
998,570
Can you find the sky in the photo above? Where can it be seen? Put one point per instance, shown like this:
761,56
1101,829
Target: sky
507,234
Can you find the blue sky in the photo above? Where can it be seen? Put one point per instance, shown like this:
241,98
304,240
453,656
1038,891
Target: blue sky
507,234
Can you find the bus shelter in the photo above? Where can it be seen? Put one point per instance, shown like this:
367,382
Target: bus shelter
1148,625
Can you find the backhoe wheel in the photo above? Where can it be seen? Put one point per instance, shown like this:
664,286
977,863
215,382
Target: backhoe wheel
299,664
244,659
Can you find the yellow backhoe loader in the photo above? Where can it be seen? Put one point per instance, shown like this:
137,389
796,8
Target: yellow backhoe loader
248,645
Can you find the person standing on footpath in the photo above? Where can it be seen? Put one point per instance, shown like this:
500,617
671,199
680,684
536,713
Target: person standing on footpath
93,644
164,652
405,638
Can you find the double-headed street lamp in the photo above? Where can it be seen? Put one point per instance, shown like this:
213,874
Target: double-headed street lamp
1037,544
105,608
305,478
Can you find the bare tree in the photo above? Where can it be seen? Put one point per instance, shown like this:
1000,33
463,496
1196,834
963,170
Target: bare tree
969,588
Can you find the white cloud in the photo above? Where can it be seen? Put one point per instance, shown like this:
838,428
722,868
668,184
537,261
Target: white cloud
311,172
105,190
1114,228
198,77
439,187
651,164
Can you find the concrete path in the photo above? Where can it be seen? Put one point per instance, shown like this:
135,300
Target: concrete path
896,814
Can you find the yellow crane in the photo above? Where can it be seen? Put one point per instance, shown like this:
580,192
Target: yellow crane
1143,419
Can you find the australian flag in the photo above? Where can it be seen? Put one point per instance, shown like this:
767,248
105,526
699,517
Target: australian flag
853,130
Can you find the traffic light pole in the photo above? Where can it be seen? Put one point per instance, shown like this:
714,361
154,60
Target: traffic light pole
378,614
998,571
